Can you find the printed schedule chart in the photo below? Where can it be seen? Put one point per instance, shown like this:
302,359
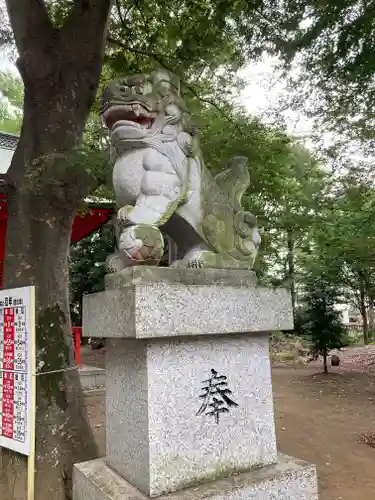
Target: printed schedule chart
16,336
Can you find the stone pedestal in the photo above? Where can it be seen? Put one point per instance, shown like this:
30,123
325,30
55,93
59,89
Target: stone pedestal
189,396
288,479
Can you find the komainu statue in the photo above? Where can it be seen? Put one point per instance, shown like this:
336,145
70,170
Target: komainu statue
161,183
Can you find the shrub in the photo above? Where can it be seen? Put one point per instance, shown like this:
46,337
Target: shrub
320,322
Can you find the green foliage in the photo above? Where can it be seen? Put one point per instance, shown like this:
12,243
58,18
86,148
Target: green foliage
321,322
205,42
345,237
288,184
287,347
311,223
351,337
11,98
341,243
87,267
334,44
300,320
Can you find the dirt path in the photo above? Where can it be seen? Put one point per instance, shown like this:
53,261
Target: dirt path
318,419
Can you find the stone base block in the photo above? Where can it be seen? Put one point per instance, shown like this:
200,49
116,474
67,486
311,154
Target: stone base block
92,377
289,479
164,429
165,302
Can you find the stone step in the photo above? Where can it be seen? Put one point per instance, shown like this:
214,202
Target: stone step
288,479
92,377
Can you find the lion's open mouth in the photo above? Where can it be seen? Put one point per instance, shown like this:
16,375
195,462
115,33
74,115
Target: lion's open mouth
128,114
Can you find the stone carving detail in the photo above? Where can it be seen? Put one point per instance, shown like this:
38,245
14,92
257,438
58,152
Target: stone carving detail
160,182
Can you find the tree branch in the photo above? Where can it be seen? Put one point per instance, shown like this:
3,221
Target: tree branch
33,32
140,11
30,23
113,41
122,20
160,59
213,104
86,26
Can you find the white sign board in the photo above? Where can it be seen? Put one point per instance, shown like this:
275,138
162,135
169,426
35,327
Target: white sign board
17,366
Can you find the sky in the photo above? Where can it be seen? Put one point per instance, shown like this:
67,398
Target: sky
264,88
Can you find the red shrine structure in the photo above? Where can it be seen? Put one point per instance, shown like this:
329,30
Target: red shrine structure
98,213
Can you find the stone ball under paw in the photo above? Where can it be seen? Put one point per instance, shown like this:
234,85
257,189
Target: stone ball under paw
141,244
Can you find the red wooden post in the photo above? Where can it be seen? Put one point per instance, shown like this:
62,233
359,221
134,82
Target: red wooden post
77,331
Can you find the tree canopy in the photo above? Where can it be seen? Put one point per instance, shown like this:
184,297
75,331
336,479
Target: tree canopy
330,47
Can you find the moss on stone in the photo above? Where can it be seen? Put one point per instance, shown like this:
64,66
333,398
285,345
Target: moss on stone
53,354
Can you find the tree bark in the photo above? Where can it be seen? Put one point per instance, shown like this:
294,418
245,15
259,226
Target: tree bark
291,267
325,361
63,433
371,317
363,311
45,183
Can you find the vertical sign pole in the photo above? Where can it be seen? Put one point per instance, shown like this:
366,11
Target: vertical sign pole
32,412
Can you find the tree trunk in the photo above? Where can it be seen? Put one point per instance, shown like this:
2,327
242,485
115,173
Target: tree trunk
291,267
63,433
45,182
371,317
363,311
325,361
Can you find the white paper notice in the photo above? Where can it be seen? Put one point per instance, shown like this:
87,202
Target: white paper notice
17,333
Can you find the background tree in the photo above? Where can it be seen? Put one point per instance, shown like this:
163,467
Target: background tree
329,46
293,215
320,321
343,243
288,184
